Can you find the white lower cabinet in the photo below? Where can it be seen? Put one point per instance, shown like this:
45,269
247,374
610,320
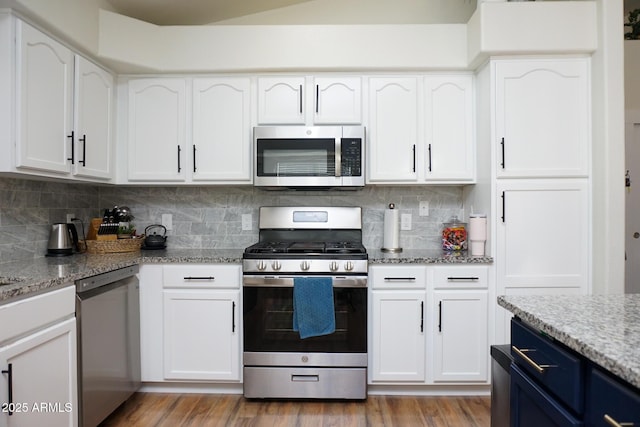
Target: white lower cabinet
190,323
201,334
39,367
429,325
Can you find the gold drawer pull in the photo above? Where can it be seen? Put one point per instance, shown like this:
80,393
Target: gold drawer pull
521,353
609,420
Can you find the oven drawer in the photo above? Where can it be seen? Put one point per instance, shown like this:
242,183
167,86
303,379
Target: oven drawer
301,383
398,277
201,276
553,367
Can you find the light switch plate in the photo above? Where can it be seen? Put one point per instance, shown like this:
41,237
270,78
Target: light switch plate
424,208
405,222
246,222
167,221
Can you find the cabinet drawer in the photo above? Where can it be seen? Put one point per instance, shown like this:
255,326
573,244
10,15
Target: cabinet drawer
27,315
608,399
202,276
553,367
460,277
394,277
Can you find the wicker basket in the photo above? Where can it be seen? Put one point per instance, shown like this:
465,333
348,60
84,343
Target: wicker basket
113,246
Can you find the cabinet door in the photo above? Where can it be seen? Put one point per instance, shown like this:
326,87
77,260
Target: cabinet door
281,100
460,329
337,100
393,125
45,90
93,120
609,401
201,335
543,234
157,132
43,378
449,125
542,118
398,336
221,130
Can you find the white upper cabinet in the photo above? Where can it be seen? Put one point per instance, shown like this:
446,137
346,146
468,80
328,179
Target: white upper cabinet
44,79
94,110
338,100
449,128
299,100
542,123
281,100
393,129
157,129
221,148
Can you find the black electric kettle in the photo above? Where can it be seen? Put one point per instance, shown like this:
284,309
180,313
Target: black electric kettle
155,241
63,240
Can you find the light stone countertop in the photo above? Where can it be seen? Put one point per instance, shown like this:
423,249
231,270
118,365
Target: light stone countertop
47,273
603,328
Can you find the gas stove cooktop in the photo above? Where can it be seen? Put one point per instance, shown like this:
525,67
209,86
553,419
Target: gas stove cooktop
310,248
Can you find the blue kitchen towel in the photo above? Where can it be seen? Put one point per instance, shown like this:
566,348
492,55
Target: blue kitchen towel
313,312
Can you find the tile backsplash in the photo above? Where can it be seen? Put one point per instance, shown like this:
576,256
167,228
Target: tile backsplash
207,216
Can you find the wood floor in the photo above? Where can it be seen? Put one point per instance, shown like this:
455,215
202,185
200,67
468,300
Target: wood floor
155,409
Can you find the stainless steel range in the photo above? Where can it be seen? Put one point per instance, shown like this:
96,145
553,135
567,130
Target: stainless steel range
302,250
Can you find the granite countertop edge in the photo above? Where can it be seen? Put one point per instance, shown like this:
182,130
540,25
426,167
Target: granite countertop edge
44,274
587,339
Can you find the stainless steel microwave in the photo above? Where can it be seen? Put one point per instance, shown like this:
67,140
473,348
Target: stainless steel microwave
303,157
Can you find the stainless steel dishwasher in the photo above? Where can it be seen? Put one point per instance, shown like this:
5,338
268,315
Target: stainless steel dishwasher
108,322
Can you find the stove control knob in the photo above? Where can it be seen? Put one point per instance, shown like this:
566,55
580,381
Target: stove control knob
261,265
333,266
276,265
304,265
348,265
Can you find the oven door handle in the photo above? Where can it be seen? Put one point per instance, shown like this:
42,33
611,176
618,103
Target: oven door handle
287,281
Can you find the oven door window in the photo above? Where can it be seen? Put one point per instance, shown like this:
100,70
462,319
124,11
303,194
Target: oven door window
296,157
268,322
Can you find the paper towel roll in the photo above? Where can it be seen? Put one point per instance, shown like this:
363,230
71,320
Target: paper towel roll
391,236
477,233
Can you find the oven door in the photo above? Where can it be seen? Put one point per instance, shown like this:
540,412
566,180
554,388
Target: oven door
268,318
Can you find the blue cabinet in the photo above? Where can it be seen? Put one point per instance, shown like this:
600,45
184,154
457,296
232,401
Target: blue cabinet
610,401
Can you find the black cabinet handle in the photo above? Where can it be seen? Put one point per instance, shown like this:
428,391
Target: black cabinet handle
502,149
503,206
440,316
84,150
421,316
9,372
73,148
317,98
194,159
233,316
466,279
179,167
414,157
399,279
199,278
300,99
429,157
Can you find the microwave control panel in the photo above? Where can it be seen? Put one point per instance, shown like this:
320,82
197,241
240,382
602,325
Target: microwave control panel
351,157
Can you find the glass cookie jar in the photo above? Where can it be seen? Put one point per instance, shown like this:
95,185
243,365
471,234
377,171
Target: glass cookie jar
454,235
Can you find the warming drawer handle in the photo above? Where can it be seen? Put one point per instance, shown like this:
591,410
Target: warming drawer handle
9,372
305,378
399,279
211,278
537,367
612,422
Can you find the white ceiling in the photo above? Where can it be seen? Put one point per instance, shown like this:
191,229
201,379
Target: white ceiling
194,12
201,12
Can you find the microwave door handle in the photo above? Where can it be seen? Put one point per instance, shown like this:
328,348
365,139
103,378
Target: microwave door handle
338,157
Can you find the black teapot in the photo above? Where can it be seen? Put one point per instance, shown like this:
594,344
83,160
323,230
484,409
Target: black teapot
155,241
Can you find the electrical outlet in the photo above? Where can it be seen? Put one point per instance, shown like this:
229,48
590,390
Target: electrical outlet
246,222
70,217
167,221
424,208
405,222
